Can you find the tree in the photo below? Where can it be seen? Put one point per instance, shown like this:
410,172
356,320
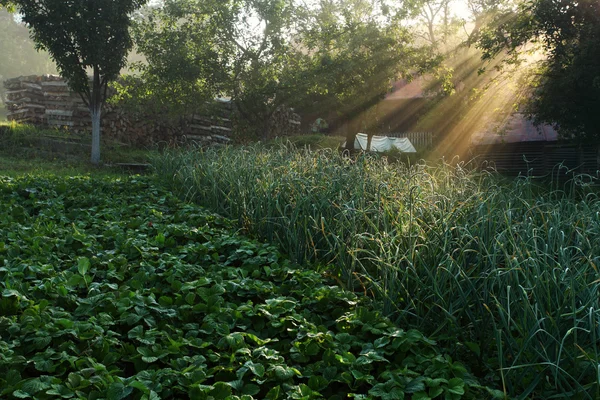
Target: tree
266,54
81,36
18,55
565,85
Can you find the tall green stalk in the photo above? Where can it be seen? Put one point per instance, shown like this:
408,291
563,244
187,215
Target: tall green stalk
502,273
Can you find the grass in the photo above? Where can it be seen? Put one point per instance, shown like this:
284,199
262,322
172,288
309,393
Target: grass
504,273
17,166
312,141
28,148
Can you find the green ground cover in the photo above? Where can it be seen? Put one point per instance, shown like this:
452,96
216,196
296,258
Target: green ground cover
26,143
503,274
112,288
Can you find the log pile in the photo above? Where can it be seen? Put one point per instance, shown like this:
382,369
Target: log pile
47,101
284,122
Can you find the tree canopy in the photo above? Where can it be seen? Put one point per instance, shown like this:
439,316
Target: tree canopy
334,55
565,86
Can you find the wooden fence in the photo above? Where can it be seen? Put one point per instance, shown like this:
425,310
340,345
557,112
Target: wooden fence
420,140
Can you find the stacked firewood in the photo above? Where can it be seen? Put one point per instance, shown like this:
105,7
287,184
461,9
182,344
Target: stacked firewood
284,122
47,101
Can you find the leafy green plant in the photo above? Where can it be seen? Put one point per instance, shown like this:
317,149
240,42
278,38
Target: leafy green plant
503,274
113,288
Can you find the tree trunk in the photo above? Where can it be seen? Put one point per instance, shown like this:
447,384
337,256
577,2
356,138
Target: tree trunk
96,117
266,131
95,105
350,138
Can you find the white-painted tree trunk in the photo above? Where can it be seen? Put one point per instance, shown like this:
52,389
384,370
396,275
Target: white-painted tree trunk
96,117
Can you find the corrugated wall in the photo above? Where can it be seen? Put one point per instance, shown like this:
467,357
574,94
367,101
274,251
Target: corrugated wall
539,158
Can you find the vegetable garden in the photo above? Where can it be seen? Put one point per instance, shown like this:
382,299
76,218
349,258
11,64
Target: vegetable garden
113,288
502,274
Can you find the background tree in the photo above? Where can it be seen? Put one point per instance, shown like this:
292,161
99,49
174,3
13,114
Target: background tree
564,87
264,54
361,47
83,36
17,52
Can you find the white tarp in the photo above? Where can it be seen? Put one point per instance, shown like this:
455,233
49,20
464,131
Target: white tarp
383,143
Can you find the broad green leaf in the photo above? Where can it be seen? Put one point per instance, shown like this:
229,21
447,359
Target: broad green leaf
283,372
251,389
221,390
317,383
421,396
415,385
83,265
256,369
274,393
140,386
456,386
118,391
381,342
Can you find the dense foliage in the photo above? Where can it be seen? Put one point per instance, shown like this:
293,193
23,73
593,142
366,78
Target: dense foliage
330,57
565,88
114,289
503,274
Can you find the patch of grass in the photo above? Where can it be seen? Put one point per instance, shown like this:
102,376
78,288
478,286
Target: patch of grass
502,273
312,141
114,289
65,166
32,143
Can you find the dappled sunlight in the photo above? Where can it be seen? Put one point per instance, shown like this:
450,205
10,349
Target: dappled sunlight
479,103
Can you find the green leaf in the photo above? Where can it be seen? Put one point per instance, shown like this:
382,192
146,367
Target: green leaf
74,380
283,372
415,385
251,389
140,386
381,342
274,393
135,332
330,373
317,383
75,280
421,396
83,265
435,391
21,394
474,347
118,391
456,386
13,377
32,386
62,391
151,396
221,390
256,369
